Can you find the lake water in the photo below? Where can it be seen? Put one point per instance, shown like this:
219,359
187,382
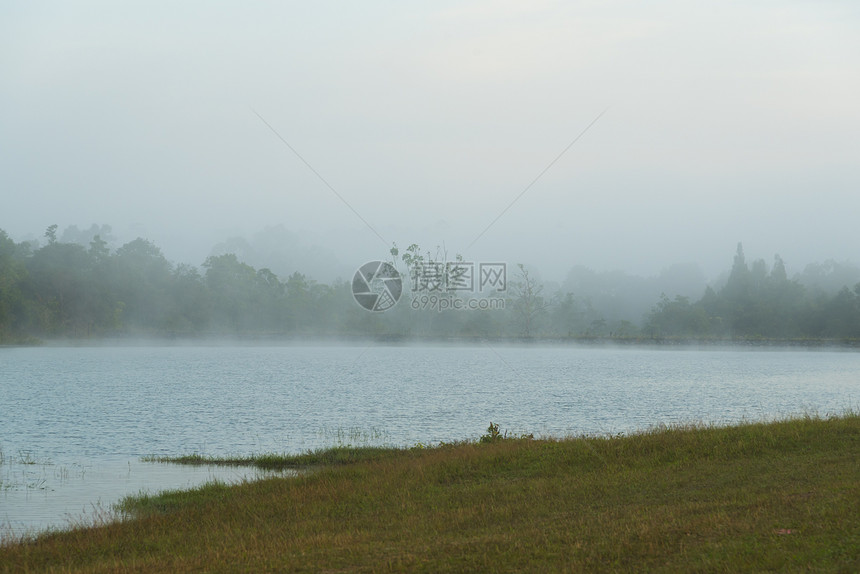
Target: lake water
74,421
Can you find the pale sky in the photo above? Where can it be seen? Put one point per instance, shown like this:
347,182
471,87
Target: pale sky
724,122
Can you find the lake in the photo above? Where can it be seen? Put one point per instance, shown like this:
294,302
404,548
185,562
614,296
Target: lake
75,421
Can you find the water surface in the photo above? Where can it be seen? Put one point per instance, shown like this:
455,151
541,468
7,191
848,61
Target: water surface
74,422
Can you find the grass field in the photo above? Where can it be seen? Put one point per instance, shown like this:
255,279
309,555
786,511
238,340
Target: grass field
781,496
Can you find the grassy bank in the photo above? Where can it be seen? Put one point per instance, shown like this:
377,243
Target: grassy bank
782,496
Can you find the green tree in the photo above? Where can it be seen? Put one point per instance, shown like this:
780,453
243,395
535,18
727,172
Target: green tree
51,233
242,298
737,287
12,276
570,316
678,318
189,306
141,279
841,314
59,280
528,302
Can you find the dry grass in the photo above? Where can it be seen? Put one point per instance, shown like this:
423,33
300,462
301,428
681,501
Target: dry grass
781,496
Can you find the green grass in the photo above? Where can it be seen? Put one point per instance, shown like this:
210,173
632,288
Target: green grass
321,457
781,496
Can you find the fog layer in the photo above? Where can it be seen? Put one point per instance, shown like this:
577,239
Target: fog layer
427,120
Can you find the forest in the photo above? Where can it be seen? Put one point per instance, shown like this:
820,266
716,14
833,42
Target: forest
67,289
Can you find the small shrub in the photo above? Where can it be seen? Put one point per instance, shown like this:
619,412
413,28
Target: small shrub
495,435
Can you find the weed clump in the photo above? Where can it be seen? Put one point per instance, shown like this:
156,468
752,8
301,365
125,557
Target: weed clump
495,435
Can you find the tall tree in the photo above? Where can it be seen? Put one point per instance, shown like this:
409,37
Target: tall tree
12,275
141,276
529,303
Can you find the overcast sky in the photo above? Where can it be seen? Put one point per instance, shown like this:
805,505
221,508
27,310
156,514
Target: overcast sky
724,122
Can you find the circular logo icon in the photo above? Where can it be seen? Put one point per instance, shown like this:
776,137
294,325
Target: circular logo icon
376,286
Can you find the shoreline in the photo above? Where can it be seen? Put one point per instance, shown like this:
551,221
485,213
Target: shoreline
411,340
757,496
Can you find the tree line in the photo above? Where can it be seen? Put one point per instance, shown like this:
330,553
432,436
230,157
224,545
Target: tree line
69,290
759,303
66,289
